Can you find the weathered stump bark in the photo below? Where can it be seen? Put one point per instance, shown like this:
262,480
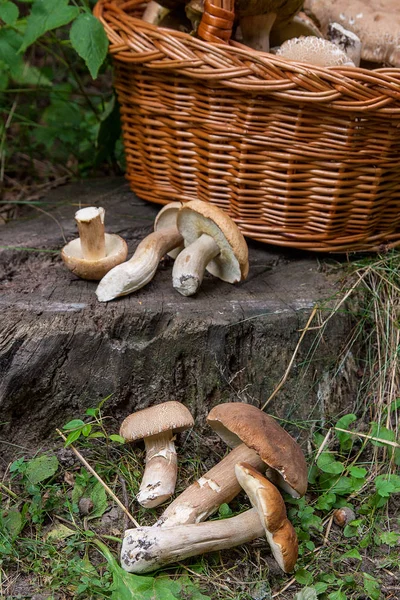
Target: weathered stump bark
62,351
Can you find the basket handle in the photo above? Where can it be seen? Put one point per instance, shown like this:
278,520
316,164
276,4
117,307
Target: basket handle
217,21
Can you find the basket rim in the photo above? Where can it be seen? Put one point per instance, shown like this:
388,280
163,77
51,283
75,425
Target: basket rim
232,65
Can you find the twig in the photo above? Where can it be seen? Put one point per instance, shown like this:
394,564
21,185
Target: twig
324,443
369,437
288,585
8,491
328,529
282,381
105,486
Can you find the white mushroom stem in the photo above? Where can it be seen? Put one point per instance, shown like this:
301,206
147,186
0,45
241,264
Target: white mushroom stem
190,265
155,13
90,223
148,548
159,477
256,29
205,496
140,269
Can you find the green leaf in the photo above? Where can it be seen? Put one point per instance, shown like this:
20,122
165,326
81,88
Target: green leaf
337,596
92,412
117,438
41,468
127,586
307,593
26,74
320,587
45,16
10,41
379,431
99,498
86,430
345,439
72,437
387,484
353,553
326,501
97,434
74,424
89,40
343,486
390,538
224,510
371,586
358,472
12,522
327,463
304,577
9,12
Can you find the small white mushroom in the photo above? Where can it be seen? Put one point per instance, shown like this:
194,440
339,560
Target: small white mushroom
213,243
141,268
94,253
346,40
314,51
156,426
148,548
155,13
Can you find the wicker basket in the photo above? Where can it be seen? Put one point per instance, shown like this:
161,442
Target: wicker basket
298,155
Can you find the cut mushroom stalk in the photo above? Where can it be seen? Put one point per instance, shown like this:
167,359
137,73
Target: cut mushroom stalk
141,268
147,548
218,486
94,253
156,426
90,223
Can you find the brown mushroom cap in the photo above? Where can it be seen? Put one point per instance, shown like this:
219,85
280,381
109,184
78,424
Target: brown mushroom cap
197,218
265,497
116,253
236,422
375,22
169,416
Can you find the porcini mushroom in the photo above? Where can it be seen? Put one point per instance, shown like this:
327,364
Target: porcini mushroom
156,426
257,439
213,243
314,51
377,24
94,253
155,12
148,548
141,268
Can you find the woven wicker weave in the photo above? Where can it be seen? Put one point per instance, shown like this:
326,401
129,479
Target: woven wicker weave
298,155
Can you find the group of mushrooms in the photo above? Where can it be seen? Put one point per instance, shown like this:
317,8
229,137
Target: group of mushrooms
260,446
199,235
327,33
